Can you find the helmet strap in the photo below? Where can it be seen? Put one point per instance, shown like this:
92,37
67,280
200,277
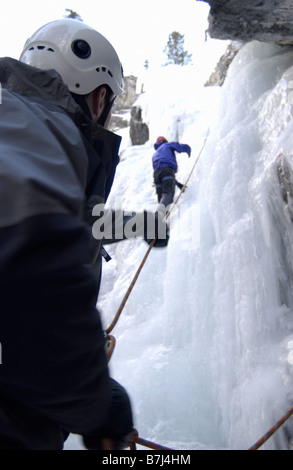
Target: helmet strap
80,99
106,112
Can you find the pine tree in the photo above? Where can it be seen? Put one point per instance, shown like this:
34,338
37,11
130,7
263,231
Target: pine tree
175,50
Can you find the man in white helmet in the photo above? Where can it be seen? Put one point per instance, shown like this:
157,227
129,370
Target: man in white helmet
57,161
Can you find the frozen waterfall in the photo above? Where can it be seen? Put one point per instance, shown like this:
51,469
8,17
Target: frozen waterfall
205,342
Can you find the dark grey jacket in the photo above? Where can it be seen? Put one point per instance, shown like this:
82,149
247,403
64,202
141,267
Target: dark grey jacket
55,165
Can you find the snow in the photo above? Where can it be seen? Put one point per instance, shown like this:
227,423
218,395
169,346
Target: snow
205,341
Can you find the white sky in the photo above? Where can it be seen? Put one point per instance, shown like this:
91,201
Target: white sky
138,30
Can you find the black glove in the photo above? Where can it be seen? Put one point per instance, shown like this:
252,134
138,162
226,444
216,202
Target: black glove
107,443
118,429
156,227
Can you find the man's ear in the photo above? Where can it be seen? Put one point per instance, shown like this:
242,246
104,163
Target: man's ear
97,102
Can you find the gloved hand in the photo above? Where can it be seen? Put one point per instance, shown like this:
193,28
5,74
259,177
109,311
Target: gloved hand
117,432
107,443
156,227
187,149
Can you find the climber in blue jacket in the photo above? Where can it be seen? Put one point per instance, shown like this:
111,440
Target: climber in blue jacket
165,167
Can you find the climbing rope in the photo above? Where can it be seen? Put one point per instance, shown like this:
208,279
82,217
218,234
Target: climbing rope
110,340
191,171
256,446
132,284
272,430
145,443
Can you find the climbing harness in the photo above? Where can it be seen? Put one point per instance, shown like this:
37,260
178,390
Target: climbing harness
128,292
272,430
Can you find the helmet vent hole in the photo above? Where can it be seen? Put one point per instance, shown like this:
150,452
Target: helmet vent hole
81,49
104,69
41,48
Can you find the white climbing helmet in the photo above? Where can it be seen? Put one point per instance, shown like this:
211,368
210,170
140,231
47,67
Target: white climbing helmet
83,57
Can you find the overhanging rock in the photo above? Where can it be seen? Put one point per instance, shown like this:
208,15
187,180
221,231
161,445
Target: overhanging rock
247,20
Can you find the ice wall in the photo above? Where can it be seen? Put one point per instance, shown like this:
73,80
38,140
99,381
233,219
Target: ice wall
203,344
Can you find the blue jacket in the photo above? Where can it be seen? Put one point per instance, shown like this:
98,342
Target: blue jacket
165,154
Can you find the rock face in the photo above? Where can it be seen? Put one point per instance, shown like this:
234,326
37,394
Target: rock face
123,104
285,175
129,95
139,131
217,78
247,20
126,114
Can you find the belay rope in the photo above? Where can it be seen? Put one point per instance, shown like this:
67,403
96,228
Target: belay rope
132,284
110,340
272,430
256,446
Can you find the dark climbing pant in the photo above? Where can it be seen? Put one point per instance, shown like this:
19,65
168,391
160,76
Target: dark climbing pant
22,428
164,179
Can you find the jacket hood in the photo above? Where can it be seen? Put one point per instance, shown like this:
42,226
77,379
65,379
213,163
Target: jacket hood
158,144
47,86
